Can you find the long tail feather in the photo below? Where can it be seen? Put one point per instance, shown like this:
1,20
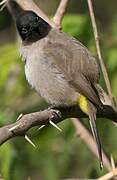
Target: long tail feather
92,117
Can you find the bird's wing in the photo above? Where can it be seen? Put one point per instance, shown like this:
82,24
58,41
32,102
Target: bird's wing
76,63
86,88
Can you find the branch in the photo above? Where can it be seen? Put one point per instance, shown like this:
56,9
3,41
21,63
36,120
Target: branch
109,175
60,13
24,124
101,61
30,5
28,121
43,117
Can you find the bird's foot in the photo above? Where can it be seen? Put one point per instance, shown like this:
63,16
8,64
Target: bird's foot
55,114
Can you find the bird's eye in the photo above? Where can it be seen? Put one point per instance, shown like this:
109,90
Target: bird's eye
37,19
24,30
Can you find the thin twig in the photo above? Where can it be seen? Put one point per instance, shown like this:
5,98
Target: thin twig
60,13
3,4
112,163
104,71
88,139
109,175
30,5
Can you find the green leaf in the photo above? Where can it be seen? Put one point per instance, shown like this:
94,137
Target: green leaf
77,26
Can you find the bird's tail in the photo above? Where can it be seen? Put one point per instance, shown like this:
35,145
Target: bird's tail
92,118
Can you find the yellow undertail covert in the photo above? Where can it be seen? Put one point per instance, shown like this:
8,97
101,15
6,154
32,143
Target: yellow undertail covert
83,104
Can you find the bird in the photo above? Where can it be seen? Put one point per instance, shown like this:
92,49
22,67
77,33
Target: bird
60,68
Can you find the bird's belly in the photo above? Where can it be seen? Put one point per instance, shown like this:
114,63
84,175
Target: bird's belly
49,82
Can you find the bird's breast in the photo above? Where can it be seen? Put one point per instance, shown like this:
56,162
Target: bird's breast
43,75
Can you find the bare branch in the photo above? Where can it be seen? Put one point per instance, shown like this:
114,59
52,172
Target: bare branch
3,4
60,13
112,163
30,5
104,71
20,127
109,175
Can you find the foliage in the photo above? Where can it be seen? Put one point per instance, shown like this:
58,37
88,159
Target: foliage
4,19
58,155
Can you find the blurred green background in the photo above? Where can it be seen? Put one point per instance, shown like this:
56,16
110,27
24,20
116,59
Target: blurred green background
59,155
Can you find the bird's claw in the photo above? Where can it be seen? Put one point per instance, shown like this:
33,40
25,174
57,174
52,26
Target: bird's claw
55,114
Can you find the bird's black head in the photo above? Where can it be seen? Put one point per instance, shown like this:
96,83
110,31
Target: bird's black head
31,27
